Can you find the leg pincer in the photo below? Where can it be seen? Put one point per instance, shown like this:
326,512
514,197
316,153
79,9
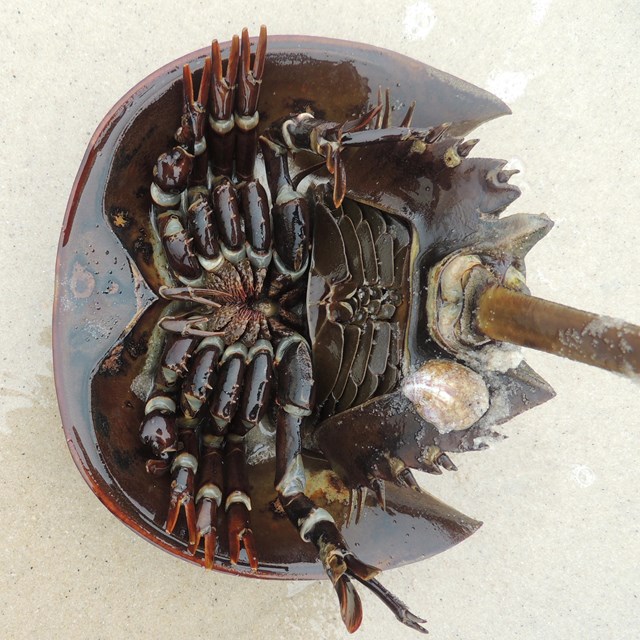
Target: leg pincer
209,494
186,164
246,110
340,562
396,605
238,502
183,471
191,133
221,137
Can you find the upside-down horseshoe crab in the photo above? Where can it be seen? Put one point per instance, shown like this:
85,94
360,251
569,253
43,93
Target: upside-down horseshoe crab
360,333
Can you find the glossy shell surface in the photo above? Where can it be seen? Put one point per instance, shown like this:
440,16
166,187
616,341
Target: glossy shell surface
106,305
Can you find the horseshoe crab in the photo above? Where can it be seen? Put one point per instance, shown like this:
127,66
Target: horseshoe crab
334,349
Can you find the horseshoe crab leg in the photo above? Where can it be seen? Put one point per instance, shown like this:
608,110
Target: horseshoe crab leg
194,117
396,605
246,111
183,472
221,123
210,487
510,316
238,501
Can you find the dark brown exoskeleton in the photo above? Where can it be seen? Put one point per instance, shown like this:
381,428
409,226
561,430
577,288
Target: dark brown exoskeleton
368,321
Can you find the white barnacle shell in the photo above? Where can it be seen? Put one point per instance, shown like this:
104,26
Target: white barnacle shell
447,394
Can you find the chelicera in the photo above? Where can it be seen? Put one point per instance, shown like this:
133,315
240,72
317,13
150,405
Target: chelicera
350,296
